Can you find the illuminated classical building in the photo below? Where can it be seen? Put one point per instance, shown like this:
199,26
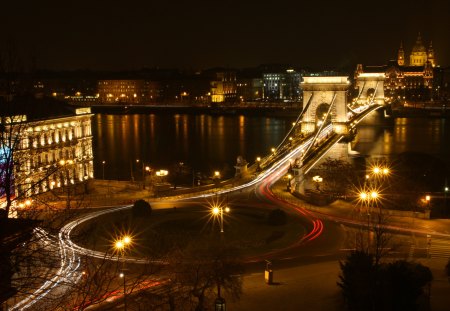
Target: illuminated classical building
409,79
54,145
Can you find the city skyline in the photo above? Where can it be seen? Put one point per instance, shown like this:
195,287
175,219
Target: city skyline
199,35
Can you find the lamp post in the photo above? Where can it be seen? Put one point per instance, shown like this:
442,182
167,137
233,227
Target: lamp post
148,170
218,211
289,176
317,179
367,198
120,246
103,169
216,177
428,199
258,163
378,172
445,197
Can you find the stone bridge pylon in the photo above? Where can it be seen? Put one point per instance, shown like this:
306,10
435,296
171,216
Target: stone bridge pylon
325,97
370,86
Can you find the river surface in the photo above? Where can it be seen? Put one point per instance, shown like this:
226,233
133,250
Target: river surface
208,143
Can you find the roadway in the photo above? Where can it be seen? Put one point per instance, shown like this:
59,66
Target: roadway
325,239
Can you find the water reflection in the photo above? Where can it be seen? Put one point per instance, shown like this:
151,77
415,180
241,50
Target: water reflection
207,143
380,137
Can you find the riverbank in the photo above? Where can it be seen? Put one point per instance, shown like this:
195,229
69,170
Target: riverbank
272,110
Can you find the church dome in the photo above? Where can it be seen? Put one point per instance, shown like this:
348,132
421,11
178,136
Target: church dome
418,46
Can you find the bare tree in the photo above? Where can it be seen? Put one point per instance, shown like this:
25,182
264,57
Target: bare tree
207,270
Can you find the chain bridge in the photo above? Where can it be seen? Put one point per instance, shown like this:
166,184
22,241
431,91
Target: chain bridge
327,118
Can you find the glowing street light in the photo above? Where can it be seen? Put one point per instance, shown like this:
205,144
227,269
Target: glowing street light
317,179
367,197
374,195
428,199
445,196
363,196
103,169
289,176
258,163
119,246
126,239
218,212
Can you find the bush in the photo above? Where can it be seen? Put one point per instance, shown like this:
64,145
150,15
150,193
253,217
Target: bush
277,217
141,208
397,285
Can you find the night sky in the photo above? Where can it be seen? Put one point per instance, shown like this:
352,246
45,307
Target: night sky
198,34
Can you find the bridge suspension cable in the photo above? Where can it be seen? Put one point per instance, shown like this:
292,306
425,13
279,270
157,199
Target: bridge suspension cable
305,108
375,92
320,127
360,92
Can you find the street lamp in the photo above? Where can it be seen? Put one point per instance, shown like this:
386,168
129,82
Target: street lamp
162,173
120,245
103,169
378,172
367,197
428,199
289,176
216,177
445,197
131,169
317,179
258,163
218,212
148,170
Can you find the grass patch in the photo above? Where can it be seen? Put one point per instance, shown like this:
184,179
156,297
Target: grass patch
156,235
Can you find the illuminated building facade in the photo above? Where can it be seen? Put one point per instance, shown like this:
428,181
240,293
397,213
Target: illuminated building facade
224,87
127,91
283,86
53,149
410,79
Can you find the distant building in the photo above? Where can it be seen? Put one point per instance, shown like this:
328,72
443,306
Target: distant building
410,79
54,146
127,91
250,89
223,87
282,86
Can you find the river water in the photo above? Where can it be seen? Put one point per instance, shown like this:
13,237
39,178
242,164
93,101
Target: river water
207,143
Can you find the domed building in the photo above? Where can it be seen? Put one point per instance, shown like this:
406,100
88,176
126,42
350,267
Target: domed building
413,82
408,80
419,54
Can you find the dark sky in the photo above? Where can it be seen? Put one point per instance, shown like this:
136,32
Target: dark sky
197,34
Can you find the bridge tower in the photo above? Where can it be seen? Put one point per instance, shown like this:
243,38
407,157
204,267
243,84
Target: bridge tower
323,94
371,88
